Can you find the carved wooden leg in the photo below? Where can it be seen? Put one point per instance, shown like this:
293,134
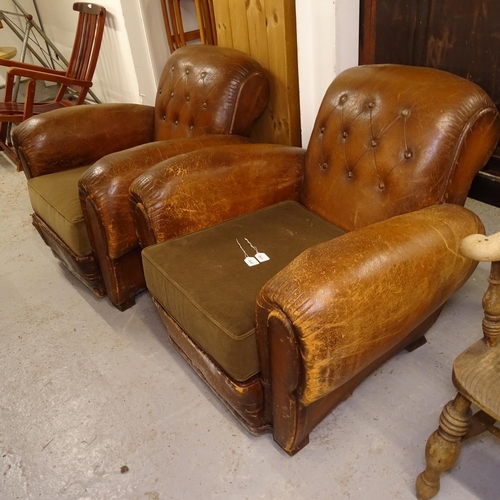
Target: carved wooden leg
443,446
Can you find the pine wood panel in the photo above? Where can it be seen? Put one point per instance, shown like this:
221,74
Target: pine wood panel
266,30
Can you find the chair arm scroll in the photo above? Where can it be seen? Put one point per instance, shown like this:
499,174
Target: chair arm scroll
80,135
206,187
352,299
106,185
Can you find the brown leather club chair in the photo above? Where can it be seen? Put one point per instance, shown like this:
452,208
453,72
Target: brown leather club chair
361,231
80,161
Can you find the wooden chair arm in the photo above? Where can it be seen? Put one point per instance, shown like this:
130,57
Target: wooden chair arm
48,76
481,248
26,66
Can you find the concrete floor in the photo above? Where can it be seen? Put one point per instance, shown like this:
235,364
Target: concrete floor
86,390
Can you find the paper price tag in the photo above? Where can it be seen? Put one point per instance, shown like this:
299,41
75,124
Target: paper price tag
251,261
261,257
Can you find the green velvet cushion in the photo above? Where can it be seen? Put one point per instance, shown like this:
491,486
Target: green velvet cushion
54,198
202,281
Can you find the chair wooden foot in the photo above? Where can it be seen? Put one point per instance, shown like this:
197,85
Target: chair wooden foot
443,446
416,344
127,304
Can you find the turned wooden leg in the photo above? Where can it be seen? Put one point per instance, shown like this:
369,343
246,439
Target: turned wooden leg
443,446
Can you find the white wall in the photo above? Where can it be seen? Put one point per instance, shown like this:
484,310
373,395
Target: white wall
327,38
141,56
115,78
150,51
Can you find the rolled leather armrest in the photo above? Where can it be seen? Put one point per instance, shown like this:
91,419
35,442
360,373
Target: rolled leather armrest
106,185
206,187
351,299
76,136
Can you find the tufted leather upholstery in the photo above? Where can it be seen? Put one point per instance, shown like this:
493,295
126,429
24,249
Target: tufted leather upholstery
391,157
382,146
207,96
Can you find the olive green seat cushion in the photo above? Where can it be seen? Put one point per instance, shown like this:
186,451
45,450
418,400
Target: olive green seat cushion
54,198
203,283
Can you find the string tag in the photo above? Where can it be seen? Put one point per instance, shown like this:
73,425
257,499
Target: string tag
249,261
260,256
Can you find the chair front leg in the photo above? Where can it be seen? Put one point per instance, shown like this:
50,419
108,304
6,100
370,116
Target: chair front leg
444,444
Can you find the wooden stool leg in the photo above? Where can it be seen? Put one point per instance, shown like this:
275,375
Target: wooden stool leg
443,446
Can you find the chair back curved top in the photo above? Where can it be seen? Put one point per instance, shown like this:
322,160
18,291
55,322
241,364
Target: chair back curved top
382,146
86,48
209,90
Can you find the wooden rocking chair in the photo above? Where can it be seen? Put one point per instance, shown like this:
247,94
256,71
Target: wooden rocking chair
77,77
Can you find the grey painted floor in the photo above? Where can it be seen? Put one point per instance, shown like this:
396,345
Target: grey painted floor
86,390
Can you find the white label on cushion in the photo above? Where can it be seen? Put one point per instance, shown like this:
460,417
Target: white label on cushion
251,261
261,257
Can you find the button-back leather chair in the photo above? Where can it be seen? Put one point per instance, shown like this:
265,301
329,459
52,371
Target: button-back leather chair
476,374
80,161
77,77
361,234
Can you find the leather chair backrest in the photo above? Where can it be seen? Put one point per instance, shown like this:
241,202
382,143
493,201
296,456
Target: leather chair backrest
390,139
206,89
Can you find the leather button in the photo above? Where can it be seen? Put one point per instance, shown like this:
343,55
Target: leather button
159,91
349,174
176,122
203,74
322,131
324,166
371,105
172,94
344,135
343,99
374,143
163,117
187,98
408,154
405,112
381,185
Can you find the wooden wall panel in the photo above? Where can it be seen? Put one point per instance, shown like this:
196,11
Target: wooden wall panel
266,29
460,36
